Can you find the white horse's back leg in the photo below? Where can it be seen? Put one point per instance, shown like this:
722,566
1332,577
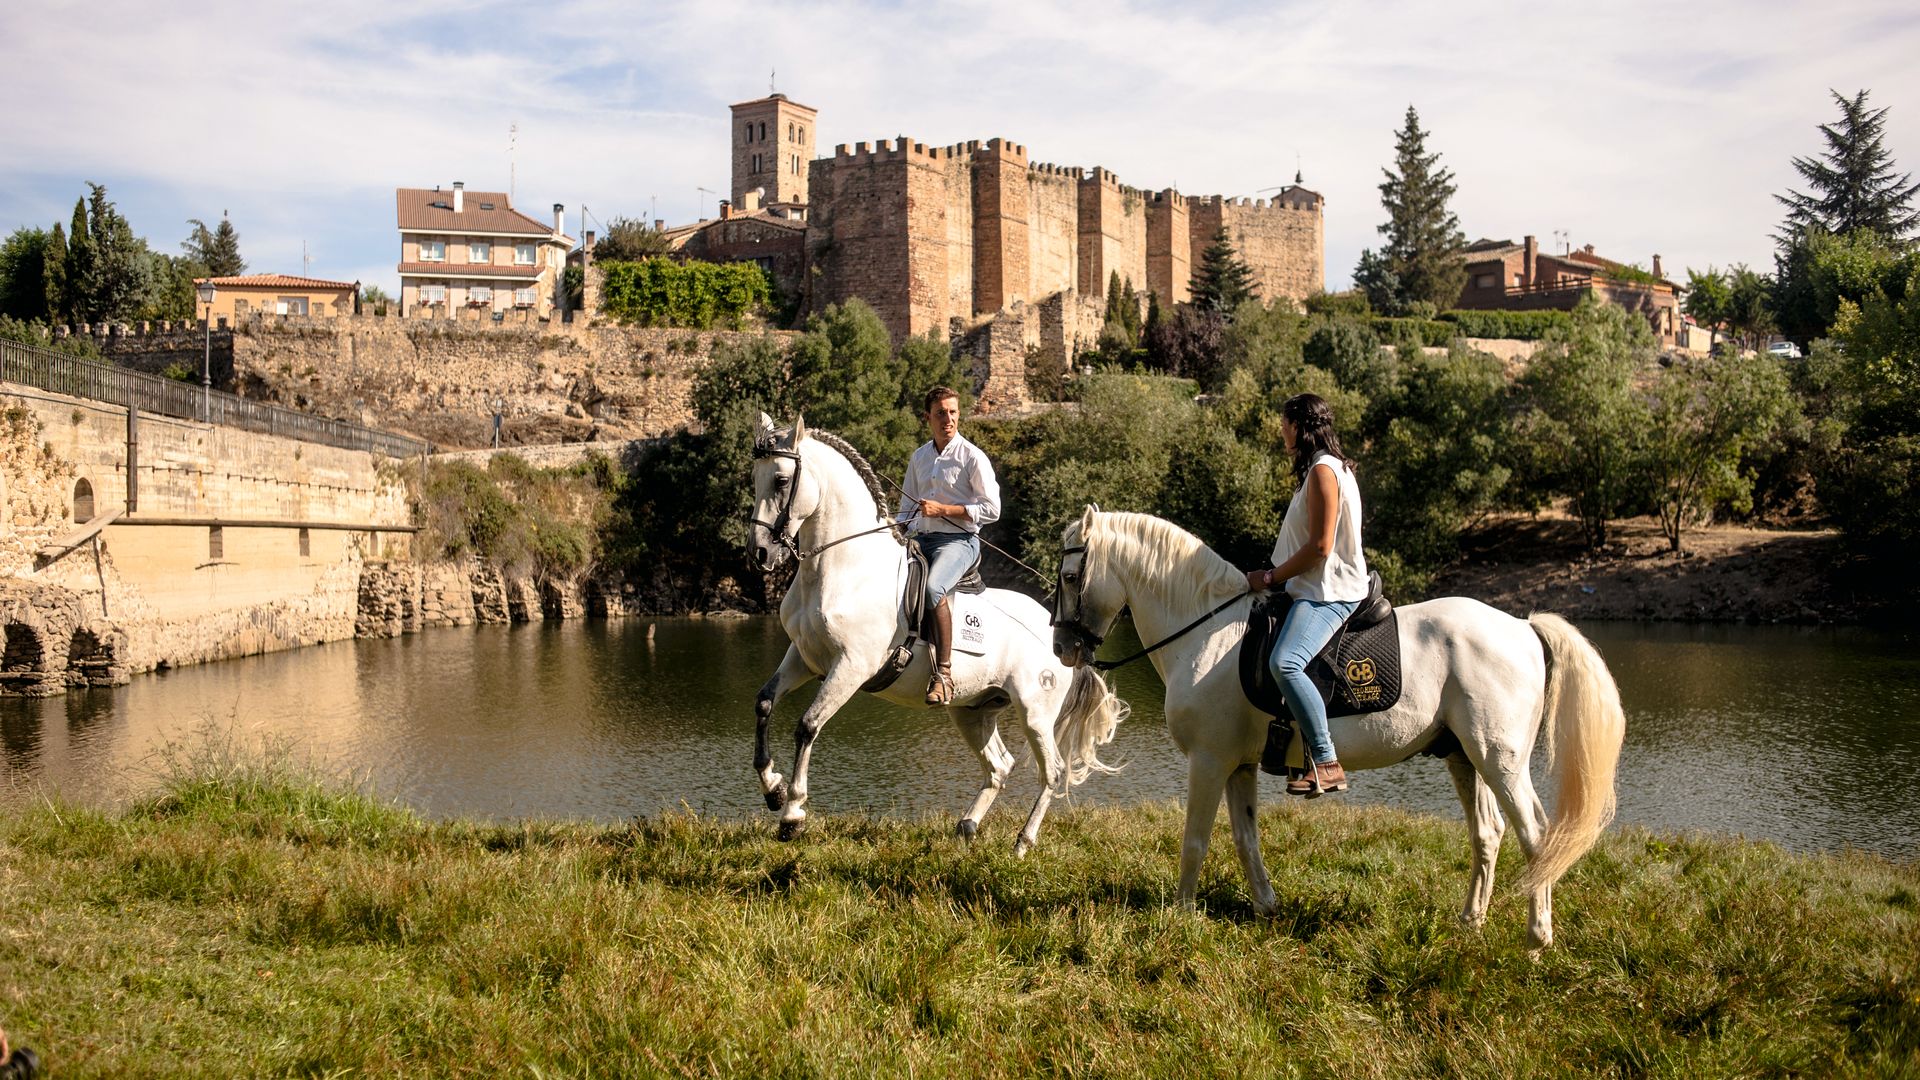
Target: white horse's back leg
791,673
1485,826
1243,807
1504,768
980,727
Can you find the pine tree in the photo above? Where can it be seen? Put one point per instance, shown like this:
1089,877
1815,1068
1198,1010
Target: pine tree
1221,282
1130,311
216,249
1853,182
1424,241
77,271
58,308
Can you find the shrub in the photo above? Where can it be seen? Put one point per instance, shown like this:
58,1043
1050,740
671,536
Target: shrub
1428,332
1516,325
660,292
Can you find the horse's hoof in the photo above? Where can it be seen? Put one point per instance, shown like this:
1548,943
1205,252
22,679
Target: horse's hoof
967,829
1021,847
791,829
777,798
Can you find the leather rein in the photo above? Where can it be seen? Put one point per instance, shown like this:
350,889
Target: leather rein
1091,641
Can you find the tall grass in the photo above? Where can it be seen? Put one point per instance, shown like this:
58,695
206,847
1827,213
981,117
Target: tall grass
250,920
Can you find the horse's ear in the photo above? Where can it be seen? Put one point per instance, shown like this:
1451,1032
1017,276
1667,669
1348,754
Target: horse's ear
766,425
799,430
1086,521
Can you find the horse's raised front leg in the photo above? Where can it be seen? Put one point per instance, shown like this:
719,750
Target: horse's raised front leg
1243,807
1485,826
791,674
1206,779
1037,718
981,728
839,685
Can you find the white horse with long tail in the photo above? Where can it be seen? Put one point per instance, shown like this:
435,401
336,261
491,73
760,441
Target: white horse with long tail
816,499
1495,682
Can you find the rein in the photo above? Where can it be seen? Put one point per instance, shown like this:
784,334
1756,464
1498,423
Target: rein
1093,640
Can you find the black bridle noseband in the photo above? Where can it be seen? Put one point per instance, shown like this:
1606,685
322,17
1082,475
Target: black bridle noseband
781,521
1091,641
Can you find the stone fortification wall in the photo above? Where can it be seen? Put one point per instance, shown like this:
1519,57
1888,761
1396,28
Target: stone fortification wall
1282,241
1170,250
153,347
162,595
440,380
857,233
1113,233
1053,230
1001,274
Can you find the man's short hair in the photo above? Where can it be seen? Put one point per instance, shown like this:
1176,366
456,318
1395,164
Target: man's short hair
937,395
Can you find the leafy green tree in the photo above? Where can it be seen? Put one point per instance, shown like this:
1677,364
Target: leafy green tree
59,306
171,293
1585,425
1422,253
1709,296
37,334
1852,182
628,240
1706,414
1749,313
109,270
848,380
216,249
1222,281
23,275
1818,270
374,300
1189,344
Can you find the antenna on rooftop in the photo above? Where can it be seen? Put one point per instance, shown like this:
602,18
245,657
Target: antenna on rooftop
1297,173
770,74
513,138
700,212
306,261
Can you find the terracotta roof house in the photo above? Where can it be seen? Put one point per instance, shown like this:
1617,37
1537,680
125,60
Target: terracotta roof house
773,238
471,253
1503,275
246,295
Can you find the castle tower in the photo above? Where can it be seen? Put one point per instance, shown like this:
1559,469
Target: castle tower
772,150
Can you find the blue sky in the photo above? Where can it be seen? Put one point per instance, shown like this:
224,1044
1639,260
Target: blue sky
1638,128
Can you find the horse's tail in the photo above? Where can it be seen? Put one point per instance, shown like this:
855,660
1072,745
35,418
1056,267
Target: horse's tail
1087,720
1583,730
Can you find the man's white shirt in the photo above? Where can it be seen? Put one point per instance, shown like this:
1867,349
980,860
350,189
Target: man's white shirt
960,474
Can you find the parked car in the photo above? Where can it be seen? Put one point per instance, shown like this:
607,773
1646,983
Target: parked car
1785,350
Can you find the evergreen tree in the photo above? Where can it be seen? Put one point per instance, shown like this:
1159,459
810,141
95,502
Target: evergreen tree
217,249
23,275
1423,237
1853,183
1222,282
55,279
77,271
109,270
1130,312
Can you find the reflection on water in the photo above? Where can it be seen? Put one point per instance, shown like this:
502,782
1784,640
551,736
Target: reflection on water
1809,737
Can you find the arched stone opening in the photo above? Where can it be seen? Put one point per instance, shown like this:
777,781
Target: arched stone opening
82,501
92,661
23,663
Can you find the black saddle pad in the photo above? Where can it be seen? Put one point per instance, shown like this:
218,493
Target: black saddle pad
1357,672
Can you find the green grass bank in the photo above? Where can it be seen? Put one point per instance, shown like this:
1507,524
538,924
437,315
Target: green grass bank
255,922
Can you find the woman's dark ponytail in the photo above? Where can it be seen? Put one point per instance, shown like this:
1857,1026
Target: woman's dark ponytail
1312,419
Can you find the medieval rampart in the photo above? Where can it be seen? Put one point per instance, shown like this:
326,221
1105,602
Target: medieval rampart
1282,240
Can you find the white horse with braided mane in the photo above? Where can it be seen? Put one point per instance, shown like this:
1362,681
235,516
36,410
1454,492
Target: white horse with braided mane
816,499
1495,682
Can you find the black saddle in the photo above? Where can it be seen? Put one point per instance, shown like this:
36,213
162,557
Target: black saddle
913,602
1357,672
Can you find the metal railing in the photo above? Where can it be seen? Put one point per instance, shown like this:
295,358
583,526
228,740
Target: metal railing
79,377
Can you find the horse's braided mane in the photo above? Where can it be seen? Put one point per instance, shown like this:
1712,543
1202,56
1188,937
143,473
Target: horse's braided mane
1171,561
860,466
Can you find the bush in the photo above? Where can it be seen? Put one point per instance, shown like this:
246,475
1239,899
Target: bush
38,335
1428,332
1350,304
659,292
1515,325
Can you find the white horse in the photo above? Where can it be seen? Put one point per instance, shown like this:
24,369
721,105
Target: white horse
816,499
1494,681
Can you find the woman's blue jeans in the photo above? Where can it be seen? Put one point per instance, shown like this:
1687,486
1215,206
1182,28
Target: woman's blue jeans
1310,625
949,554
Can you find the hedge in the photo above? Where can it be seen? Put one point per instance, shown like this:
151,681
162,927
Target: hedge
660,292
1520,325
1429,332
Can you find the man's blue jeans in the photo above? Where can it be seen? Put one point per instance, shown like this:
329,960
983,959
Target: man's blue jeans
949,554
1310,625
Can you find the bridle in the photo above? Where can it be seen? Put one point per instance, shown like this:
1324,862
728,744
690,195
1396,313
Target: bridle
1073,623
782,521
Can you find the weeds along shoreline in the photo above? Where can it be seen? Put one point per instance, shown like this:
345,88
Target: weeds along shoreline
250,919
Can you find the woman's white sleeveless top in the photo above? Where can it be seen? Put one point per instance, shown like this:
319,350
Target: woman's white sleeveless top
1342,575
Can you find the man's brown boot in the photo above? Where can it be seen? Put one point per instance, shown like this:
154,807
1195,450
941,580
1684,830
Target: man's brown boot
940,687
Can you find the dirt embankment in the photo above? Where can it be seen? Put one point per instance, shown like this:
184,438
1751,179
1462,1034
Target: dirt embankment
1724,574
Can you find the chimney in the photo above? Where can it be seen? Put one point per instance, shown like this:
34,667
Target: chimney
726,209
750,201
459,195
587,243
1528,261
586,250
659,224
1656,268
1588,249
559,219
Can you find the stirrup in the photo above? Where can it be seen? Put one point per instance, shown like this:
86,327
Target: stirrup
940,687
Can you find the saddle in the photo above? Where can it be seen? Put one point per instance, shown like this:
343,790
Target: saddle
919,615
1358,671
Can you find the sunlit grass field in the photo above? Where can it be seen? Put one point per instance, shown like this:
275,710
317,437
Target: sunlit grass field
250,920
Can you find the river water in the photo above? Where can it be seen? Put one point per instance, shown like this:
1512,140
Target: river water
1809,737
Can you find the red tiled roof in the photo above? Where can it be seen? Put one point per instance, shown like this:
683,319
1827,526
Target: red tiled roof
416,211
470,270
273,281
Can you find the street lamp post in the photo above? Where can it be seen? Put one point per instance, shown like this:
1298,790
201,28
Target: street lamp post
499,406
206,291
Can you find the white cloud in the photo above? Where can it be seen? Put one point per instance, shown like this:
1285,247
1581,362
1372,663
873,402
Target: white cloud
1637,127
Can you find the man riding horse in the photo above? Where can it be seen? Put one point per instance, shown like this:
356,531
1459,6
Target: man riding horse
950,491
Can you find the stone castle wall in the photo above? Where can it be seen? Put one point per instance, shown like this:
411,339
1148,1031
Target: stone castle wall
1283,242
1113,233
1053,231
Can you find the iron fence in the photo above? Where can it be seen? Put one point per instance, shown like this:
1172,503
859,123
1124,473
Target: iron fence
79,377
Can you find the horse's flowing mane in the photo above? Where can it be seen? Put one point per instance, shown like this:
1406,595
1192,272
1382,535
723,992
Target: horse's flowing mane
1167,560
845,449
